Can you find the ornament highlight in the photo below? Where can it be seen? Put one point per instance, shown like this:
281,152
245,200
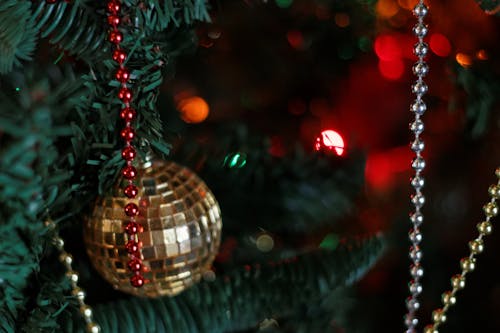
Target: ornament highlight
178,230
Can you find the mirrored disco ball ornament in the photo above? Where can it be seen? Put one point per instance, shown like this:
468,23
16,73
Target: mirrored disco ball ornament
180,236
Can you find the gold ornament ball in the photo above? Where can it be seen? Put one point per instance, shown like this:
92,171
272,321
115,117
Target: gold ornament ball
181,234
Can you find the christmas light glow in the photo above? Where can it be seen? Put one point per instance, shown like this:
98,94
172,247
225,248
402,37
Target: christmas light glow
330,140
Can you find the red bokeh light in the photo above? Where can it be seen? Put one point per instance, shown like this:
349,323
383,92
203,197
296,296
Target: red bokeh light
330,140
387,48
295,39
440,45
392,70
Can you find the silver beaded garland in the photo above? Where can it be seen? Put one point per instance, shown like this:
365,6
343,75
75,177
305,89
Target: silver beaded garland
418,107
66,259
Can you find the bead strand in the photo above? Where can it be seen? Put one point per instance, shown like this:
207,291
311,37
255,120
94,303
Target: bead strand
468,264
418,107
129,172
67,260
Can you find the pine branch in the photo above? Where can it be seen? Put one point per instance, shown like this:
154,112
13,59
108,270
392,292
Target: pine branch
17,33
243,298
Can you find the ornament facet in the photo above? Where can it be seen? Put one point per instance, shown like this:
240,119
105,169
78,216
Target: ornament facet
181,229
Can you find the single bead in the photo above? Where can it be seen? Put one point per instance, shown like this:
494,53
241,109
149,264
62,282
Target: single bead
412,304
58,243
417,146
458,282
420,69
418,199
134,265
415,287
131,209
438,316
417,218
497,172
128,114
137,281
417,126
133,228
128,153
113,20
468,264
78,293
115,37
418,163
416,271
419,88
132,246
415,254
129,172
476,246
420,30
417,182
430,329
410,321
415,236
66,258
86,311
448,298
494,191
93,328
420,10
131,191
490,209
119,56
421,49
485,228
127,133
122,75
72,276
113,7
125,95
418,107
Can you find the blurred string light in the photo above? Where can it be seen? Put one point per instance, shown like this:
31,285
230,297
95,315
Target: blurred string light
390,53
193,109
235,160
264,242
296,39
330,242
482,55
386,8
330,140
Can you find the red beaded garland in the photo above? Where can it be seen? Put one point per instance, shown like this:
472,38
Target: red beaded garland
119,56
131,191
125,95
137,281
134,265
129,172
132,246
128,114
132,228
128,153
127,133
115,36
113,20
113,7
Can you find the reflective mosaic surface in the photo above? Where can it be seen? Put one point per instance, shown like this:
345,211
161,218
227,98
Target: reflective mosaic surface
182,228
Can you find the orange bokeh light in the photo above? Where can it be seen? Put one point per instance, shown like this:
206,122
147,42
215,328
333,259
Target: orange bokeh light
193,109
482,55
463,59
342,20
407,4
386,8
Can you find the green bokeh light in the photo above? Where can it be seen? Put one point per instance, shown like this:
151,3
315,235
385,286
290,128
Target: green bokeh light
330,242
284,3
235,160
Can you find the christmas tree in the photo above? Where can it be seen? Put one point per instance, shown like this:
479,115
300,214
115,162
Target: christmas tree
294,113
